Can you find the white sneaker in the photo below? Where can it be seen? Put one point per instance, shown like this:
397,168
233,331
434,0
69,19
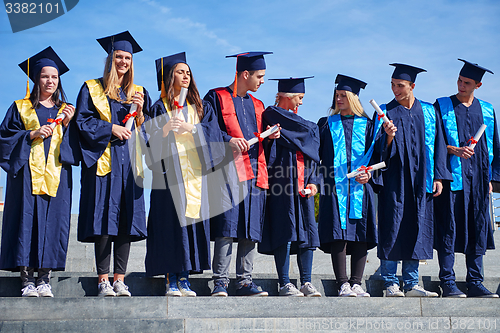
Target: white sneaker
394,291
120,288
183,285
418,291
290,290
44,290
105,289
346,291
356,288
309,291
29,291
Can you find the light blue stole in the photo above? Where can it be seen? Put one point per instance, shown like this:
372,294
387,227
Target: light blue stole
343,186
450,126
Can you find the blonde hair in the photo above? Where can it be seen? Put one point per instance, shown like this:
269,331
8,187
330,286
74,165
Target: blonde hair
354,104
282,94
111,84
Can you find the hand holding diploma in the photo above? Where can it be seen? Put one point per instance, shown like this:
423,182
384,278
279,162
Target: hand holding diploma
309,191
362,169
473,141
66,115
261,136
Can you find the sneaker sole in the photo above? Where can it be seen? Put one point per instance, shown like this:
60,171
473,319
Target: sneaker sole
293,295
313,295
124,294
220,294
174,294
264,294
455,296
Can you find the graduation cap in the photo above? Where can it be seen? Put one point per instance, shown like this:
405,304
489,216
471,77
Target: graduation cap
406,72
292,85
34,64
248,61
473,71
348,83
122,41
164,64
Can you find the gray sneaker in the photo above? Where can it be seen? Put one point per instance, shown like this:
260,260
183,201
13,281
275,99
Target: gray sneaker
418,291
121,289
309,291
290,290
29,291
44,290
346,291
105,289
394,291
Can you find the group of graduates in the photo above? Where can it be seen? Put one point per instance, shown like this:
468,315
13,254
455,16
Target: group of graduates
210,181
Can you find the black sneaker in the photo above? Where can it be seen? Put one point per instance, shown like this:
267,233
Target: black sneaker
476,289
250,289
450,289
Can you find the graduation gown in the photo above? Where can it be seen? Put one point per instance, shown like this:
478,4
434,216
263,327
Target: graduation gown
175,242
405,209
35,229
357,230
289,216
463,221
117,196
244,218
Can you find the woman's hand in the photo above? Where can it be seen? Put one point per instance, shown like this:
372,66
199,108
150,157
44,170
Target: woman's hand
177,123
363,178
314,190
45,130
275,135
69,111
121,132
240,144
138,99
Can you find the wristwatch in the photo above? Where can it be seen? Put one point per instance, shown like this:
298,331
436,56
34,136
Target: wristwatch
194,130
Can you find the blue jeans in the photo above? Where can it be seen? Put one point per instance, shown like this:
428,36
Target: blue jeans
473,262
388,269
282,260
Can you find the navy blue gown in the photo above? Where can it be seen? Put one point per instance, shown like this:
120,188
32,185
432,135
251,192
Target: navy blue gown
463,221
405,209
105,200
289,216
357,230
243,220
177,243
35,229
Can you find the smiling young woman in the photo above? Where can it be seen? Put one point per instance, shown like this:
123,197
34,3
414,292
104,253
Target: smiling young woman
112,208
37,156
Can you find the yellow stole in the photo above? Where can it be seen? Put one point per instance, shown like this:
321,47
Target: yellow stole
190,164
45,177
100,101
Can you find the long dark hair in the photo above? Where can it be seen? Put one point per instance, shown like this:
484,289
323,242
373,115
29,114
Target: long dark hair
193,96
58,97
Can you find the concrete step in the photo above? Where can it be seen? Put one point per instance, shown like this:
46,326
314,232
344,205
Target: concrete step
72,284
248,314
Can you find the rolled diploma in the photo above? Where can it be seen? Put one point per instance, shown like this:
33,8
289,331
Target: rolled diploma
478,135
130,121
372,168
305,191
182,99
263,135
53,125
379,111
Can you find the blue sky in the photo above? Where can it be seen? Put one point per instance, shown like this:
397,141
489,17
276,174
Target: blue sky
322,38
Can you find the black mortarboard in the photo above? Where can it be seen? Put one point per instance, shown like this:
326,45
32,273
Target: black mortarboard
406,72
250,61
168,63
348,83
47,57
292,84
473,71
122,41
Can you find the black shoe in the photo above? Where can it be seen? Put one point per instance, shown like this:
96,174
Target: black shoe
450,289
476,289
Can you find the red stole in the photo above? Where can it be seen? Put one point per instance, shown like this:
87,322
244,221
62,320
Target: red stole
242,160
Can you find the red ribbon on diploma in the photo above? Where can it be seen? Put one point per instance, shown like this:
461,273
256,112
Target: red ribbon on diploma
57,121
365,169
128,116
176,103
471,140
380,116
257,134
